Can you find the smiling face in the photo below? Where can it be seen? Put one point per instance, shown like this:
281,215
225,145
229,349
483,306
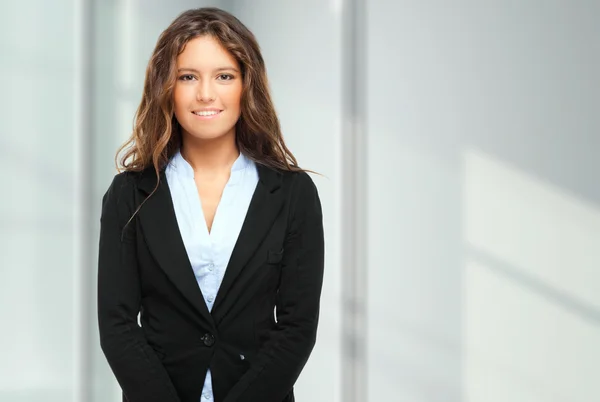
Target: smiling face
208,90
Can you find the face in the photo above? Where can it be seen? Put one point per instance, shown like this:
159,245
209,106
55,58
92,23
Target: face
208,90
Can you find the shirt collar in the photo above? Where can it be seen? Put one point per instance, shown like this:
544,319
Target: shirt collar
183,167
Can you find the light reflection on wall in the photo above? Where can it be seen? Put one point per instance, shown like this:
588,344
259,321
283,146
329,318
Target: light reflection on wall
531,306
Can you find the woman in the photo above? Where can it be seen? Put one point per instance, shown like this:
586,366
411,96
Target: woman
209,229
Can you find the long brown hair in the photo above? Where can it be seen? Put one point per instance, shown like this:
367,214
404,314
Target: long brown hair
157,134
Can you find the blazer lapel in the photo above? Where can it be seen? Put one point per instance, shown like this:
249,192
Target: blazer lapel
264,207
159,224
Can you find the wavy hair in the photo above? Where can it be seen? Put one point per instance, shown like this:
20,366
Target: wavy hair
157,134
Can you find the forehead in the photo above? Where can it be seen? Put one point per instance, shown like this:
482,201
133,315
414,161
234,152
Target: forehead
205,52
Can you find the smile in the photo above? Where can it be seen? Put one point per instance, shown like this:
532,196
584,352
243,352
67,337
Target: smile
207,114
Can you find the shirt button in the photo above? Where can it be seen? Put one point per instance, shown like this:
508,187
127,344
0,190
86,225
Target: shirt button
210,299
206,396
211,266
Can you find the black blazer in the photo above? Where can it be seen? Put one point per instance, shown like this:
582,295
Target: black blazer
143,268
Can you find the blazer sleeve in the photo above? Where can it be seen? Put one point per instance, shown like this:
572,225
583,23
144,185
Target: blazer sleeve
277,365
134,363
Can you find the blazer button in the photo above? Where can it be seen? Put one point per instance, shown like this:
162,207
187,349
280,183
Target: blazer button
208,339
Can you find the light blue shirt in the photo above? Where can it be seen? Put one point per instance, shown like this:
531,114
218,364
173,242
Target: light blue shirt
209,253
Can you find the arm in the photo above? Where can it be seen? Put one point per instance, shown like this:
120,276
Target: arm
133,362
279,362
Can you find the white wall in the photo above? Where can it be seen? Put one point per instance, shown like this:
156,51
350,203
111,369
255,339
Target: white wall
484,214
36,215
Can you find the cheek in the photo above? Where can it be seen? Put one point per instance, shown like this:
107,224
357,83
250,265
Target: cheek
233,97
181,98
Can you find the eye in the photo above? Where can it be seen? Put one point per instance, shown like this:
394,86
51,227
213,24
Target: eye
186,77
225,77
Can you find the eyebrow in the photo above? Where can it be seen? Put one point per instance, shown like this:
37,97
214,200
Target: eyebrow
193,70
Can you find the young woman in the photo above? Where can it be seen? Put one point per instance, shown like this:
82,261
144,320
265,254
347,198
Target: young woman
212,233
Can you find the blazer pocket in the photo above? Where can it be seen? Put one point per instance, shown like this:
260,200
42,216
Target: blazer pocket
274,257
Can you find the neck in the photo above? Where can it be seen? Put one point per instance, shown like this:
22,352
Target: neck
210,156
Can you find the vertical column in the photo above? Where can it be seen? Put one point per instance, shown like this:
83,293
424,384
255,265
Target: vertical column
353,201
83,156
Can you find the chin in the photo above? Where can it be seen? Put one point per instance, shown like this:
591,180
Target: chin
207,136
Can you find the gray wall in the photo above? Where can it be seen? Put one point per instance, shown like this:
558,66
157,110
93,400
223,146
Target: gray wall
479,124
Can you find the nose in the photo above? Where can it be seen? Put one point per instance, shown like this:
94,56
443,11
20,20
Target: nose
205,92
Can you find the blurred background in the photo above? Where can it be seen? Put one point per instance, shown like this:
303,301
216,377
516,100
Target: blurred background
458,143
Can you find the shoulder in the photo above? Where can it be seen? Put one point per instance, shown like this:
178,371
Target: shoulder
119,200
302,183
123,183
294,182
121,193
303,193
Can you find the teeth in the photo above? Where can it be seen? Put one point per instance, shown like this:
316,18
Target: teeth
211,113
